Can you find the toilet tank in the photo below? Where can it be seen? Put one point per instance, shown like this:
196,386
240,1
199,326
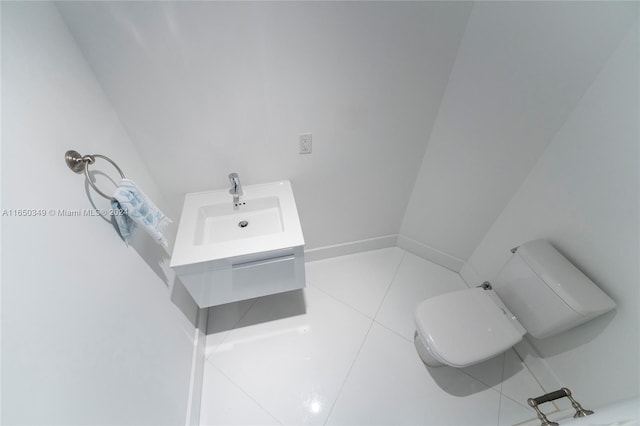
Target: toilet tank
546,293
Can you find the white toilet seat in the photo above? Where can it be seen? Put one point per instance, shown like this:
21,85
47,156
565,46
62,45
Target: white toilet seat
466,327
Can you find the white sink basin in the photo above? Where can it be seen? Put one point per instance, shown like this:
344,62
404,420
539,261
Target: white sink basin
217,223
218,245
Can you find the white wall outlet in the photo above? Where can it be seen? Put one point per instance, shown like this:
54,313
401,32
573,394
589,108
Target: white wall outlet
305,143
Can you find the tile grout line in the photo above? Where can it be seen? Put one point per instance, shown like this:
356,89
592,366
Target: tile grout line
364,340
381,300
244,391
504,361
535,378
315,287
375,316
228,332
526,367
393,331
516,402
393,278
344,382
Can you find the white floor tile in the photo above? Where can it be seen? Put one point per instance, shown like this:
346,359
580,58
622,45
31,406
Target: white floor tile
512,413
224,403
360,280
518,382
294,366
315,355
417,279
488,372
388,384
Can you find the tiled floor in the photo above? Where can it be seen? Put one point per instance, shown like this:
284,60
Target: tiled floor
340,352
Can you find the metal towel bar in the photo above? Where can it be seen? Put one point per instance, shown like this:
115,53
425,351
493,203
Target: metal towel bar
78,163
552,396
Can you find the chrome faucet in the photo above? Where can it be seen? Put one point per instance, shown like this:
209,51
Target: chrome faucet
236,189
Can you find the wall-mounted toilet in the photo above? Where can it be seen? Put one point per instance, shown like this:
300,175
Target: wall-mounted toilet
538,291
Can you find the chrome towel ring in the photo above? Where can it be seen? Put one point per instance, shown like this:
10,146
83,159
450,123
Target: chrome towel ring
78,163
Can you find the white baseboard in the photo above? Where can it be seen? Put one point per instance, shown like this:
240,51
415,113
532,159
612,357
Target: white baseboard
350,248
421,250
429,253
197,369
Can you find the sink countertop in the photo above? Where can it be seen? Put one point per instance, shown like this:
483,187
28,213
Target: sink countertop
188,252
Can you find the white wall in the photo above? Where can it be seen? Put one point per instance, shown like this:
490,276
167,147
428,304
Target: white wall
521,69
209,88
90,334
583,195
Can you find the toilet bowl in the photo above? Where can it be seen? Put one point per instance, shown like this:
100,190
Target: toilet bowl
464,327
538,291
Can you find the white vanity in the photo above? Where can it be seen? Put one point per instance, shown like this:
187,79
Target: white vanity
228,249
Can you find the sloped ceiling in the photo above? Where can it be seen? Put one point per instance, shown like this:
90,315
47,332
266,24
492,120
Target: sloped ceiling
209,88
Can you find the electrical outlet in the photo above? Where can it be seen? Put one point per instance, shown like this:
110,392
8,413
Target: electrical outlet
304,140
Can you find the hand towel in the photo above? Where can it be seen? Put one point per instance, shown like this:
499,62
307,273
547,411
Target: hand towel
137,209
